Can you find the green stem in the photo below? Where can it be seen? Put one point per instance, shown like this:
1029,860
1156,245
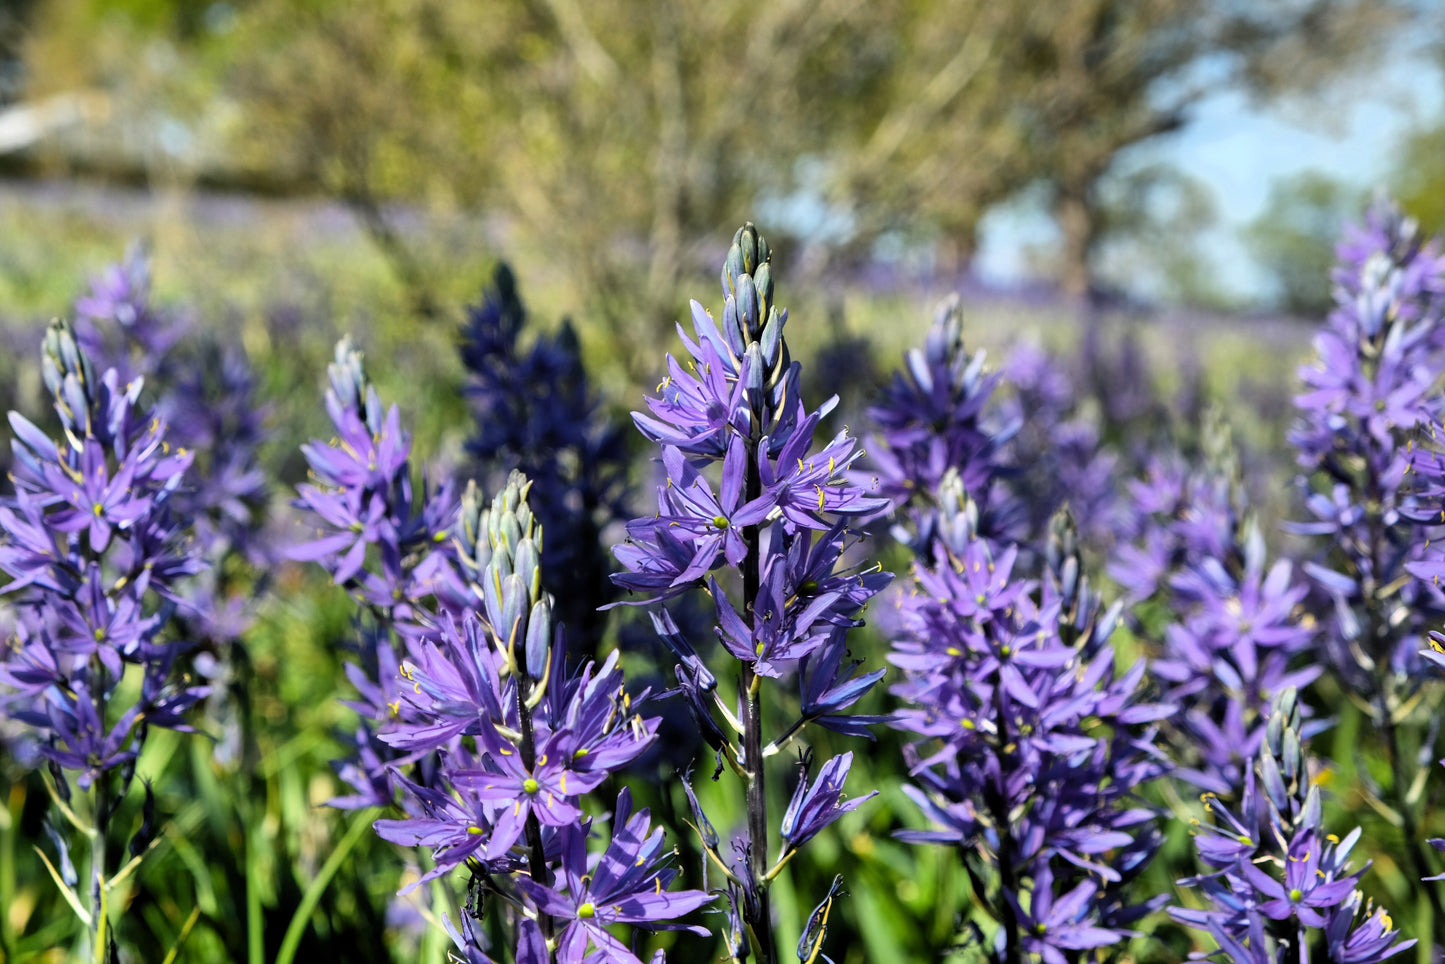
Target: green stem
757,791
1382,643
301,919
14,805
255,926
99,931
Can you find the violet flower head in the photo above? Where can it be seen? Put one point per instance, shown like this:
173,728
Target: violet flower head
97,558
1057,456
117,321
1004,682
473,724
935,417
1280,881
1237,630
628,884
95,555
536,413
361,499
815,807
491,745
390,547
1367,438
758,515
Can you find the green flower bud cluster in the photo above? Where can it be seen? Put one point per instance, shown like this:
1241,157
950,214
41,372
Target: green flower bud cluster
501,547
351,386
752,321
70,379
1283,767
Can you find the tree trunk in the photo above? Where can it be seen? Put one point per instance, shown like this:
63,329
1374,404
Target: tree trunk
1074,211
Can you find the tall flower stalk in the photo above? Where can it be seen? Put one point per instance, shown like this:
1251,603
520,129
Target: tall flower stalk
1368,445
473,725
1282,890
536,413
773,523
206,391
96,558
939,414
1028,749
1228,629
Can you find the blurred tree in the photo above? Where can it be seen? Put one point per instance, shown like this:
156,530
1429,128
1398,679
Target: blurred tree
1104,75
1294,238
1418,178
613,135
616,136
1149,221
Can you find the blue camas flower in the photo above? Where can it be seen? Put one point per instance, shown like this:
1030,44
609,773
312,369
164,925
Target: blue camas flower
755,513
473,723
1368,446
97,558
1281,884
1006,682
536,413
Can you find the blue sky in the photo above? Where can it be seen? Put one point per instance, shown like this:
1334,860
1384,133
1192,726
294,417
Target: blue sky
1238,149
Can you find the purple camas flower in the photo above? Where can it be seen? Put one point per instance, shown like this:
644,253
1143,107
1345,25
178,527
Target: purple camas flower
95,552
472,721
627,885
1057,455
205,390
1365,436
814,807
363,499
536,413
752,511
934,418
1235,632
1006,683
391,550
117,322
1282,886
511,809
1368,444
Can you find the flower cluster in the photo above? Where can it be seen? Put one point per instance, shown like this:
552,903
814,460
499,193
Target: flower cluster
1282,889
1029,748
1057,456
752,511
399,555
116,321
1374,476
1365,437
519,743
471,721
206,392
933,419
96,556
362,498
1230,627
536,414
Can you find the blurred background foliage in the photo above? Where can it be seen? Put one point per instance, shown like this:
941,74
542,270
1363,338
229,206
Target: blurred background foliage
307,168
613,136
